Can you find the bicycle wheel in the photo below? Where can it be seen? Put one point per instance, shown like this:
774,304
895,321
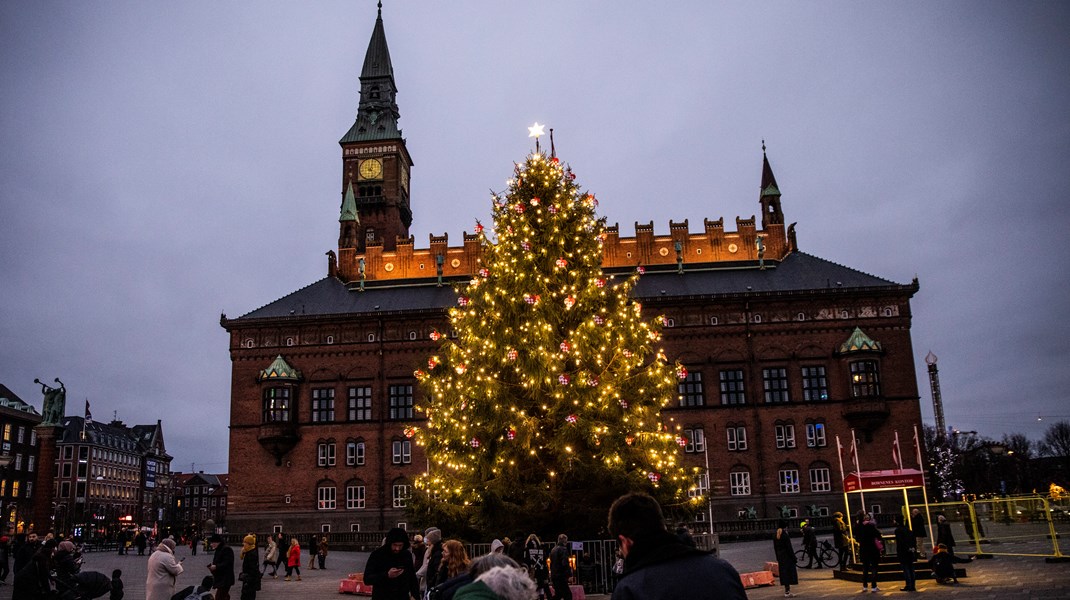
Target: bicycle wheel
830,558
800,556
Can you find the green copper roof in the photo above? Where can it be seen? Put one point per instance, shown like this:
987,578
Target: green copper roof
280,370
860,342
771,190
349,206
377,113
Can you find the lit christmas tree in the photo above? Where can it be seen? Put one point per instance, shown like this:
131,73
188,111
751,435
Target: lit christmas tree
545,404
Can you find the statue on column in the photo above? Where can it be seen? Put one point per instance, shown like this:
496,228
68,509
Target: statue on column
55,404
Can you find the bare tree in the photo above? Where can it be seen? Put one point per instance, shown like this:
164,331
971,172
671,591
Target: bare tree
1056,440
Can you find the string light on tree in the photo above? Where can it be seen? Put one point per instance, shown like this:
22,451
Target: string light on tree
528,405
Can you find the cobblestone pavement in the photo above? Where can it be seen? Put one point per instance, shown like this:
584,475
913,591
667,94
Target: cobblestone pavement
1002,578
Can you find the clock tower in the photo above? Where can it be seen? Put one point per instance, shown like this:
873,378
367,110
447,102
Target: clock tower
375,162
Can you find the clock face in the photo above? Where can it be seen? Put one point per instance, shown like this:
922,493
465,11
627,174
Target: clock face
371,169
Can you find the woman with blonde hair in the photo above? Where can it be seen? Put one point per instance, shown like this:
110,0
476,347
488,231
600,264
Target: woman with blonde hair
293,559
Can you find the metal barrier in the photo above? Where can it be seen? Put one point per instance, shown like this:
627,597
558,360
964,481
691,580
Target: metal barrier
1009,526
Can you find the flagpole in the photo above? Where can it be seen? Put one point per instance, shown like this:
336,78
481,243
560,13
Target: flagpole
897,453
858,470
846,503
924,487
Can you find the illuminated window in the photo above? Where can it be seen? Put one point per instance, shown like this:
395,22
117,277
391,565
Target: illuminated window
276,405
865,379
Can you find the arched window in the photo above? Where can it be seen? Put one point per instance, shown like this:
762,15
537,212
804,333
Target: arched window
789,478
355,492
400,493
326,496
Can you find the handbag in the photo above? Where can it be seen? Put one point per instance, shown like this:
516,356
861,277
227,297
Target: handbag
879,544
618,567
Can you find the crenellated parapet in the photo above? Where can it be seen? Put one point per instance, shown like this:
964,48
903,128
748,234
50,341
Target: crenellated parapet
681,247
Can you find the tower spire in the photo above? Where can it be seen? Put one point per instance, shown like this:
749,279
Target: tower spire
769,196
377,113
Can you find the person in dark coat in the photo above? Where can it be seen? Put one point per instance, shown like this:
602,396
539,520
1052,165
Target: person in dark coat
657,565
560,569
5,558
250,568
787,570
390,569
945,537
870,546
432,557
905,543
222,567
140,541
942,565
535,559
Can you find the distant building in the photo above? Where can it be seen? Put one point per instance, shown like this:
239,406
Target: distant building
110,476
785,352
18,460
199,497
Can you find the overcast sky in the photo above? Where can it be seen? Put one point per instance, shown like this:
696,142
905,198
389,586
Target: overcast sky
163,162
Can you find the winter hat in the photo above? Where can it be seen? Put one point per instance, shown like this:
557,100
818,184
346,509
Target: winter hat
433,536
169,544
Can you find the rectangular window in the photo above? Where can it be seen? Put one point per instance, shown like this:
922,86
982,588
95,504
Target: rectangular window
360,404
66,470
68,452
14,488
400,402
401,495
322,405
327,498
18,462
355,454
739,483
276,405
815,385
696,440
7,432
30,460
702,485
355,497
354,527
820,480
865,379
21,435
789,481
325,455
815,435
785,436
402,452
737,438
775,382
33,438
29,489
690,390
732,391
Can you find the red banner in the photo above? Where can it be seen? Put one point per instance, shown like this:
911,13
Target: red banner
883,480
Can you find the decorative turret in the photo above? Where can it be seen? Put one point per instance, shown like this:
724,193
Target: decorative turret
375,163
769,196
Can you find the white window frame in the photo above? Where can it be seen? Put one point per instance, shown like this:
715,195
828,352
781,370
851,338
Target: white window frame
696,440
785,436
402,452
326,497
355,454
789,481
816,435
737,438
325,455
355,497
739,483
400,494
820,479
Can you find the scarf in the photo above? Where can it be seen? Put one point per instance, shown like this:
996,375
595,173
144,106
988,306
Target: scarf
248,544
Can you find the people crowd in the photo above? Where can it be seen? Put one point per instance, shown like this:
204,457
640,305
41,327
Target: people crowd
651,562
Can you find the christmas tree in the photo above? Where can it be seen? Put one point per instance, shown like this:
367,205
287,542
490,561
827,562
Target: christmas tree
544,401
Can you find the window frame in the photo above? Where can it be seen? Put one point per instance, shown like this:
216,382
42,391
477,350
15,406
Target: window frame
326,497
815,384
816,435
691,390
732,387
737,438
784,434
359,403
401,401
323,405
326,455
775,385
788,478
739,483
865,378
816,483
356,497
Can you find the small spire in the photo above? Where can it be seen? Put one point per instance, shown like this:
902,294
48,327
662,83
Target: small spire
763,147
380,9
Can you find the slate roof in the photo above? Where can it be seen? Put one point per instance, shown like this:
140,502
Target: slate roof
798,272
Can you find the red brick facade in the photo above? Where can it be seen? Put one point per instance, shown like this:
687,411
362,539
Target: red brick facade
745,305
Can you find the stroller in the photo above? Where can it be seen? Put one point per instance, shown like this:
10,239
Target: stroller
201,592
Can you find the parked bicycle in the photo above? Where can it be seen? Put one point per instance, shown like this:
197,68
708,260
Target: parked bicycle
826,556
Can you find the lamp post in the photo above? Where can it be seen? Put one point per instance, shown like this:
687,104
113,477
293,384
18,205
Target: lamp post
709,488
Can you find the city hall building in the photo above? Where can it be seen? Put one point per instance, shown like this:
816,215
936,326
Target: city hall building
784,351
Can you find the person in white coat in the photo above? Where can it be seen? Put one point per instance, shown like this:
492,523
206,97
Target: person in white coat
163,569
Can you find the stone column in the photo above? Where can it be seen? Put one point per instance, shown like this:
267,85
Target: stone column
46,475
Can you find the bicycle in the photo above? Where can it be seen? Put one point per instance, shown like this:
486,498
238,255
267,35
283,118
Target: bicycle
826,556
